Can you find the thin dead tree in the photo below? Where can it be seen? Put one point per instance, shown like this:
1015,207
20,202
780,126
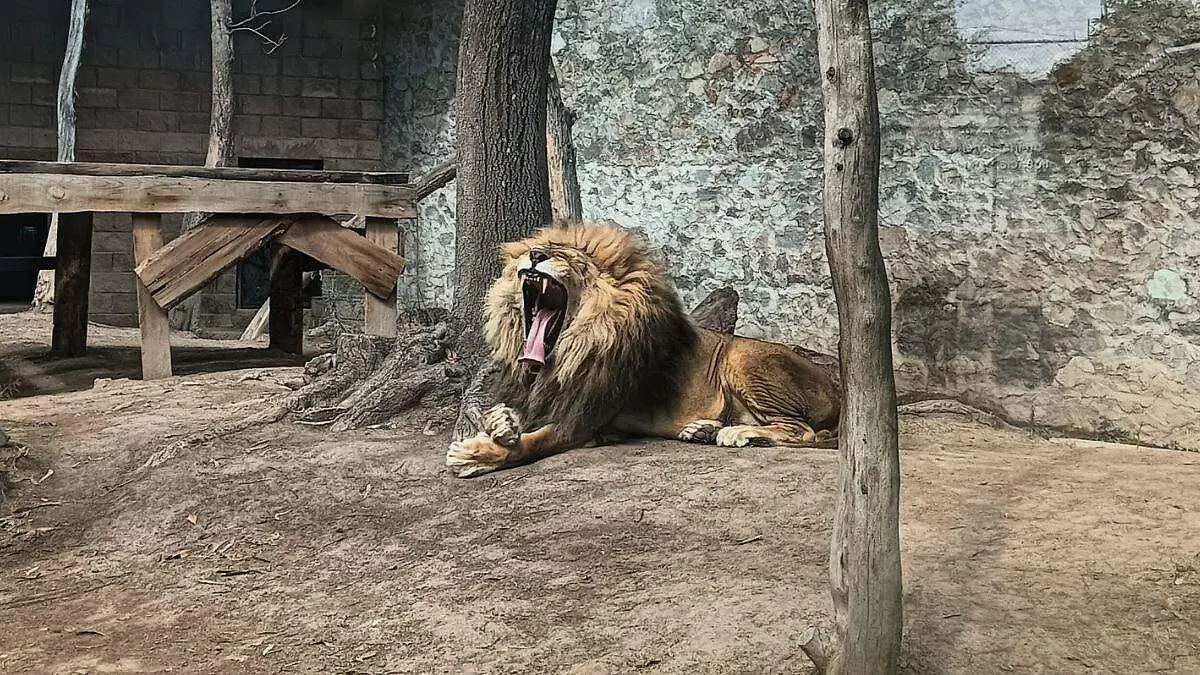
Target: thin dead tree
864,556
565,200
221,150
44,291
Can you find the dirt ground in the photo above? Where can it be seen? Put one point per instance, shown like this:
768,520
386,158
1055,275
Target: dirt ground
129,543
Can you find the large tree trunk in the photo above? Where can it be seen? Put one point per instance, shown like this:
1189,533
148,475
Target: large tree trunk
220,123
565,200
865,552
500,116
503,195
44,293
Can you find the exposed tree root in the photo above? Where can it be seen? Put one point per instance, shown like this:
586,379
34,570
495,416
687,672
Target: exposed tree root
369,380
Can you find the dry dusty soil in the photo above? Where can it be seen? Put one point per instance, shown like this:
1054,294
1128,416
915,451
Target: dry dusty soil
131,541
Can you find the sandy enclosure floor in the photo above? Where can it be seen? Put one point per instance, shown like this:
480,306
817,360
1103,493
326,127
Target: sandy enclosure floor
128,542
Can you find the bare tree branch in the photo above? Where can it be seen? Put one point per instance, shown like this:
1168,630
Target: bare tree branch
256,17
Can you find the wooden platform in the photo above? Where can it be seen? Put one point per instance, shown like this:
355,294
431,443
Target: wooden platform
289,210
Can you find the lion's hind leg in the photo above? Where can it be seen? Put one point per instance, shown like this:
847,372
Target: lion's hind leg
778,433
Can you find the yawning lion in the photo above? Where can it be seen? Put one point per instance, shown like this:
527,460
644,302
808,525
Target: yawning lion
590,339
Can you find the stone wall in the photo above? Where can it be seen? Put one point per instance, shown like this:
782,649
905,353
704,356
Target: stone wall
1040,231
144,94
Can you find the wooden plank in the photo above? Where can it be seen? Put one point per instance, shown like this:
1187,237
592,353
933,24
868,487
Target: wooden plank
152,319
286,321
72,279
379,313
377,268
181,267
45,193
223,173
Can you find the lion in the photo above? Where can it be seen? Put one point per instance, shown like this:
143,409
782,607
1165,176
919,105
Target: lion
590,340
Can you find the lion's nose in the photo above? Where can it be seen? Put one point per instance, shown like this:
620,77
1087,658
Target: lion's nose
536,256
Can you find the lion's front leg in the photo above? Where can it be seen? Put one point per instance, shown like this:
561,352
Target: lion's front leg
482,453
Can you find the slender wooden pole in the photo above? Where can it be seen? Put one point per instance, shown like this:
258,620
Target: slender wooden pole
72,280
286,322
44,292
864,557
152,319
379,315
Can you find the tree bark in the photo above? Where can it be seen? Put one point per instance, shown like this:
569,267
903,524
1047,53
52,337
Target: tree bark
865,572
565,200
44,293
500,116
220,121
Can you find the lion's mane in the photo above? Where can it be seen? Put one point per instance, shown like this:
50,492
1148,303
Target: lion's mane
624,348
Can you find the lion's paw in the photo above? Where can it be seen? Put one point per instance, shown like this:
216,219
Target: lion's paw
476,455
741,435
502,424
700,431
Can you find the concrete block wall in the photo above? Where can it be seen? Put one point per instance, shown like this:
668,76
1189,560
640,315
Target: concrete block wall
144,95
1040,225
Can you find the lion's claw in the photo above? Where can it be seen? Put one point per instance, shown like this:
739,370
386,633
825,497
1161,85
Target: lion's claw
502,424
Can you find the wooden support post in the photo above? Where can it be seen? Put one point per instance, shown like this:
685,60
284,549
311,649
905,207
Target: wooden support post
379,316
152,319
286,323
72,277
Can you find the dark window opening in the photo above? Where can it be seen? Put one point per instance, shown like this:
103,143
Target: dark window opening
22,242
254,273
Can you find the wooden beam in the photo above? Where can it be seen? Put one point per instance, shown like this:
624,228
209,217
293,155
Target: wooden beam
379,313
72,277
435,179
286,322
152,319
376,267
212,172
46,193
183,266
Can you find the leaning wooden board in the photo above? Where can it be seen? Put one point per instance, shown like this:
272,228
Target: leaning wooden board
375,267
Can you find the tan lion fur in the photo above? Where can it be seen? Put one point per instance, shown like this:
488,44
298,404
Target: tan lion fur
629,360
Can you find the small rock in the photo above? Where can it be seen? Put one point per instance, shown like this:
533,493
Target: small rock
3,437
718,63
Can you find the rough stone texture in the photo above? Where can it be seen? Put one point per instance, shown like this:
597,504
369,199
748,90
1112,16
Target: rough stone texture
144,94
1040,233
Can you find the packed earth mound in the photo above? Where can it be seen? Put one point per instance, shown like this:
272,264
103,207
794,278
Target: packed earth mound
134,538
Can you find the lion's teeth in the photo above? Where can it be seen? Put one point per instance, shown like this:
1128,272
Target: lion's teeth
545,284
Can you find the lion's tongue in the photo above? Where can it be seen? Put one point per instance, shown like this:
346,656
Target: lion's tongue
535,341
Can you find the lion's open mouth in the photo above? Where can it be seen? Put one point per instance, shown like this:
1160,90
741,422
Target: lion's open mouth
545,303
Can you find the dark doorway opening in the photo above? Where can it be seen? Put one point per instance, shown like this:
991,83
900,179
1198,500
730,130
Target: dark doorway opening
22,241
254,273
